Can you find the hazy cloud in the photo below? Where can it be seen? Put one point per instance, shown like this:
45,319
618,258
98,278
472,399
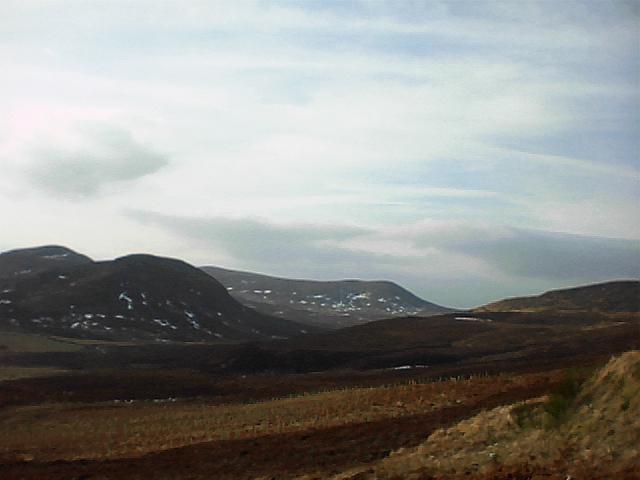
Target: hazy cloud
96,157
269,245
558,256
538,254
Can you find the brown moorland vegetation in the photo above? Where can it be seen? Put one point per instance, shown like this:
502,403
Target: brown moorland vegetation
578,431
284,410
325,432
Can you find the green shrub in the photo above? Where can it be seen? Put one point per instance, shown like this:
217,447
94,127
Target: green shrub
561,399
526,415
625,403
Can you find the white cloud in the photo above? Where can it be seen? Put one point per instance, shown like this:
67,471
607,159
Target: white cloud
83,160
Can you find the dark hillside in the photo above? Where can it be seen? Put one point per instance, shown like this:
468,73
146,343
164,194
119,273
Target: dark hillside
609,297
38,259
331,304
137,297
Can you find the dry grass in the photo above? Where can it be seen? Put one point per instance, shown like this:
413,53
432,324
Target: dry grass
600,436
101,431
11,343
14,373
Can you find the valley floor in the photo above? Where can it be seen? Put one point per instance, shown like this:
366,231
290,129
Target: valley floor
309,436
98,411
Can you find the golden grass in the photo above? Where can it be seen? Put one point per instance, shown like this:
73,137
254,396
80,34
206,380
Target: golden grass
603,431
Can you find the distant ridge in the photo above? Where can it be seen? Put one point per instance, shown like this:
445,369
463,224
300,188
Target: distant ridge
332,304
621,296
53,290
38,259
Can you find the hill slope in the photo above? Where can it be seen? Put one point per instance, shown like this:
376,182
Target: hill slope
328,303
507,340
137,297
38,259
609,297
599,437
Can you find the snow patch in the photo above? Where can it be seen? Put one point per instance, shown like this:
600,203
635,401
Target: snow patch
474,319
164,323
360,296
56,256
163,400
409,367
126,298
192,319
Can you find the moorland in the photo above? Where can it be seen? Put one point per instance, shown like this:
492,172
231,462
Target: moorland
544,385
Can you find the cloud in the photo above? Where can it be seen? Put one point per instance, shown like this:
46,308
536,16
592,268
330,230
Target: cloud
523,253
96,157
263,243
561,257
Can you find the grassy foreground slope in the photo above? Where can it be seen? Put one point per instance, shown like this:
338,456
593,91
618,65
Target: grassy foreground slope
482,427
587,431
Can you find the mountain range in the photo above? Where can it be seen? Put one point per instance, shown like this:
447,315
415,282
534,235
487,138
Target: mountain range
57,291
330,304
53,290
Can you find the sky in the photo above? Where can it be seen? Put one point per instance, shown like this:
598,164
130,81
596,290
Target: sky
468,150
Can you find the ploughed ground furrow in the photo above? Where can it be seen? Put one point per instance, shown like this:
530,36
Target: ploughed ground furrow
329,450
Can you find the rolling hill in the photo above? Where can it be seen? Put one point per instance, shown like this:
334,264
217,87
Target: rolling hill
27,261
137,297
609,297
331,304
500,340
